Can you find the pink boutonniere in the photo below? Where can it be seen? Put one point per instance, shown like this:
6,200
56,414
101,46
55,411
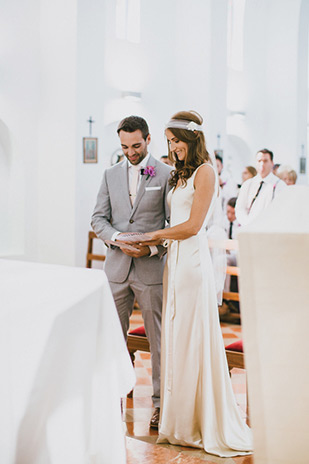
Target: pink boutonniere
149,171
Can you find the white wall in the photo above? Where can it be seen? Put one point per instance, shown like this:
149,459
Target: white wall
56,132
269,85
165,68
38,109
61,63
90,101
19,58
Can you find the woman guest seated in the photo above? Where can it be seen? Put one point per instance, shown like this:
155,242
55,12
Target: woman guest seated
248,172
287,174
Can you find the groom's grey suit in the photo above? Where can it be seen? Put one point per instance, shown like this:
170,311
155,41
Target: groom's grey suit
139,278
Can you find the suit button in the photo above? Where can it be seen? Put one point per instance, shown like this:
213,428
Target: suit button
131,221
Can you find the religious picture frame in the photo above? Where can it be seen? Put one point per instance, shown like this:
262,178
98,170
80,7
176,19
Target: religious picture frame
90,149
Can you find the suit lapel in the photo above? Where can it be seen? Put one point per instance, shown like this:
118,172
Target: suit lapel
143,184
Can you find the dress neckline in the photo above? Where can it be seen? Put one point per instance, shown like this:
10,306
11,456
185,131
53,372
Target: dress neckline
176,188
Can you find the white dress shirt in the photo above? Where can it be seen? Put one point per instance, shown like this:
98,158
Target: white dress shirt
131,168
139,166
235,228
245,210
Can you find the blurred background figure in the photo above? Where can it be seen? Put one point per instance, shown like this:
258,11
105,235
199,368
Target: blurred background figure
248,172
275,169
164,159
258,192
287,174
228,187
231,224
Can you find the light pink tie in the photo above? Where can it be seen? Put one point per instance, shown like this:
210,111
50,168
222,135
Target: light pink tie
134,183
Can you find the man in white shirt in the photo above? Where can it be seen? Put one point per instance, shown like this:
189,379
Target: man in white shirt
231,227
258,192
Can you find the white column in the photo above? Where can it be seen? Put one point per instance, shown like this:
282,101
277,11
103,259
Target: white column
274,291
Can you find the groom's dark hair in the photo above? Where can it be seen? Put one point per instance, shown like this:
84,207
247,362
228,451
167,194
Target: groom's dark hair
133,123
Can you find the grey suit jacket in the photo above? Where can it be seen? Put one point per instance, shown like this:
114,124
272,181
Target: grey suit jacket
113,212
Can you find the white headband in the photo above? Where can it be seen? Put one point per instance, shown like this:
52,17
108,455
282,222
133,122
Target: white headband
183,124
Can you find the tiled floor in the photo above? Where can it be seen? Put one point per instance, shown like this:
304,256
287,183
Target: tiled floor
137,411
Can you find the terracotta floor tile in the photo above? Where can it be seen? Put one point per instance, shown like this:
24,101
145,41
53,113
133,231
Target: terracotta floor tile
145,355
144,381
229,335
141,452
138,402
141,430
138,364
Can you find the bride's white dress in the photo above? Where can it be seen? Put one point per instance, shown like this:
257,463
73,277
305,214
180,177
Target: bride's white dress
198,407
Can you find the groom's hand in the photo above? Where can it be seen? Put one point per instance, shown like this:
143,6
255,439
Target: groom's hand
142,250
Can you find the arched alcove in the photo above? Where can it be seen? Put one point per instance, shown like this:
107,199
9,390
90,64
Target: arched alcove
238,156
5,163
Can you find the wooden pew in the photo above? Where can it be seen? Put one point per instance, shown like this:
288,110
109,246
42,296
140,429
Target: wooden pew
90,255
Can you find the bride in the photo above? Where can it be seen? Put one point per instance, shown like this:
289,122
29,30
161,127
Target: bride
198,407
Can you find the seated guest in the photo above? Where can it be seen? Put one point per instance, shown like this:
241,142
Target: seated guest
258,192
231,228
287,174
248,172
275,168
165,159
231,224
228,187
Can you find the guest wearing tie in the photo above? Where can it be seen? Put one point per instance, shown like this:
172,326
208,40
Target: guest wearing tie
132,198
258,192
231,227
231,223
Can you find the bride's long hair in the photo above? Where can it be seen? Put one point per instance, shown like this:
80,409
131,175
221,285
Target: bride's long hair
197,152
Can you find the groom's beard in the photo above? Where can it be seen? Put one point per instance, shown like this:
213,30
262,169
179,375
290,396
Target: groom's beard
137,157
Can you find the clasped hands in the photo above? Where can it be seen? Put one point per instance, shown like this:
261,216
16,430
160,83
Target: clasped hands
141,248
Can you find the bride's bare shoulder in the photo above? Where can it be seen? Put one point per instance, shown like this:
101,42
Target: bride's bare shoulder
205,172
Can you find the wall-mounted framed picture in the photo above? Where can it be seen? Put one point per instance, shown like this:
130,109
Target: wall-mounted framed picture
90,145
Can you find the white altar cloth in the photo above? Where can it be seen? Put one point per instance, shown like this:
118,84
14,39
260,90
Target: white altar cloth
64,366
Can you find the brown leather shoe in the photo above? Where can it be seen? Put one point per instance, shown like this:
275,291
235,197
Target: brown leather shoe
154,421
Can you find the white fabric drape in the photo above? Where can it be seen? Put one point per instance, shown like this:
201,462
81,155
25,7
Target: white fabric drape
64,366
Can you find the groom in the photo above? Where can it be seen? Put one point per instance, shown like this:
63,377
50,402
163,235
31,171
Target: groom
132,198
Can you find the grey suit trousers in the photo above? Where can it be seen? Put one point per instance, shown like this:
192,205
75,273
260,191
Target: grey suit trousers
149,298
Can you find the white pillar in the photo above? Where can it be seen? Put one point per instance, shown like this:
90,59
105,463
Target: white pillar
274,291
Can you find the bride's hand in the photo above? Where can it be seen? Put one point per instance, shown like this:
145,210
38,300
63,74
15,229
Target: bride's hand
154,240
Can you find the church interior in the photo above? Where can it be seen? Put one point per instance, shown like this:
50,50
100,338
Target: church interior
70,71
